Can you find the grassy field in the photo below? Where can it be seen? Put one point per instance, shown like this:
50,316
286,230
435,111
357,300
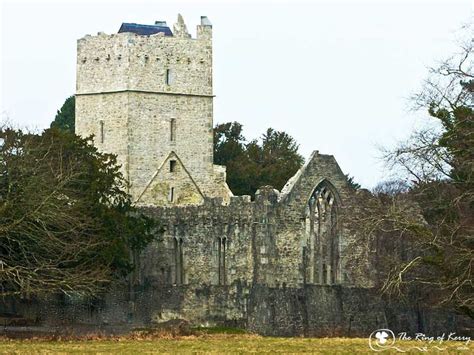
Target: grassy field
217,344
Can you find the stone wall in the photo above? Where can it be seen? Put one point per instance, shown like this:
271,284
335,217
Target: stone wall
109,114
127,61
150,144
312,310
200,228
265,240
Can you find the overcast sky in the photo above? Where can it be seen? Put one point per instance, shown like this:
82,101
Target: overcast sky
335,75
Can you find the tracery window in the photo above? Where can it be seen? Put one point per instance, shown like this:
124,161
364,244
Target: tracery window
322,254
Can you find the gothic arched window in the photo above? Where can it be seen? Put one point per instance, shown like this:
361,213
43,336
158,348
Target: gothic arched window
321,255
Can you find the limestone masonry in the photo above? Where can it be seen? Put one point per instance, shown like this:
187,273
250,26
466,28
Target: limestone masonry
282,264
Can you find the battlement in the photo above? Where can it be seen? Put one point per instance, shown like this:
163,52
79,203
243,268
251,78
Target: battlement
148,58
160,28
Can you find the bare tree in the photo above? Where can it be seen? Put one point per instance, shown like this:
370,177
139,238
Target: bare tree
426,234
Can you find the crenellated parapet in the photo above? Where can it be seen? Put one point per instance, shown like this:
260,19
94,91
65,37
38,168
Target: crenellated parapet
147,58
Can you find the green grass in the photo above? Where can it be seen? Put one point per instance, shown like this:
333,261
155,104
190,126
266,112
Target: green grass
218,330
215,344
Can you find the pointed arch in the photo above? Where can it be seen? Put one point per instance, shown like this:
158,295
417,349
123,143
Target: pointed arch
322,252
329,187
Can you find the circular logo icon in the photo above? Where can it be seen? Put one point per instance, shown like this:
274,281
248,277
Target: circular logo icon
381,339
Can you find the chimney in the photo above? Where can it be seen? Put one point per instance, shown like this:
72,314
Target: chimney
205,21
161,23
204,30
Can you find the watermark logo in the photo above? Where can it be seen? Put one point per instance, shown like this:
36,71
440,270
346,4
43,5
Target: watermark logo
381,339
385,339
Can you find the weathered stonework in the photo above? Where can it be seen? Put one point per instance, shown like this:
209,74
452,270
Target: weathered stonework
266,241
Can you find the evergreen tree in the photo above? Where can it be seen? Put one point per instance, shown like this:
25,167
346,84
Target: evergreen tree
252,165
66,116
66,223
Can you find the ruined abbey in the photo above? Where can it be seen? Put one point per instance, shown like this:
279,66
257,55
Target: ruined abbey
146,95
280,264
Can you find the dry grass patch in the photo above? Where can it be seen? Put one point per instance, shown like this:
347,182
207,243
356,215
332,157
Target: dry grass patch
144,343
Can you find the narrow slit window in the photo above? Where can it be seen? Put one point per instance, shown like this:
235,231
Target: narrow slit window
181,263
173,130
171,195
221,260
169,77
172,166
178,261
101,131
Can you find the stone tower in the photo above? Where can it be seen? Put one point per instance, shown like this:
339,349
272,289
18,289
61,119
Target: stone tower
145,94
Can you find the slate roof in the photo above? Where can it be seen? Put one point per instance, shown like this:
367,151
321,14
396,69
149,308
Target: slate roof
144,30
